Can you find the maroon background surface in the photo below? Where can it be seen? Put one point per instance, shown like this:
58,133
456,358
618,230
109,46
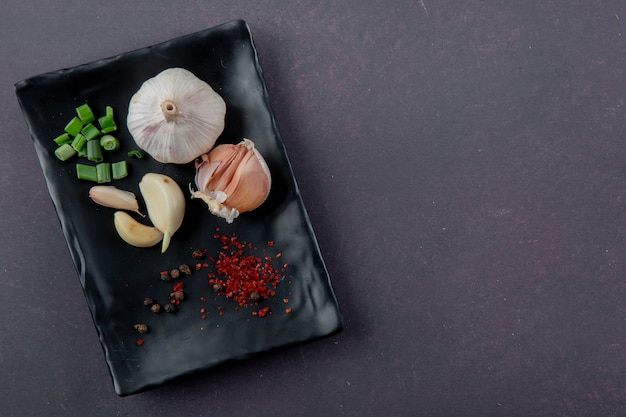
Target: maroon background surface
463,164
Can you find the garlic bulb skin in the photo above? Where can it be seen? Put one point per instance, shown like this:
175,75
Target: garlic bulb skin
232,179
175,116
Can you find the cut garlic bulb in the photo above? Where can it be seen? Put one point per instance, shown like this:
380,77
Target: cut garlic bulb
232,179
175,116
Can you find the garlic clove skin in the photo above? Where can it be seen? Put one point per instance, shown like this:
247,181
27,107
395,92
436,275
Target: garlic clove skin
175,116
232,179
113,197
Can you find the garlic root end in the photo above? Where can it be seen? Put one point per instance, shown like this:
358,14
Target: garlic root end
215,205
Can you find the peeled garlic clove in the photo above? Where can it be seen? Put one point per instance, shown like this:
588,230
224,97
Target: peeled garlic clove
113,197
232,179
135,233
175,116
165,203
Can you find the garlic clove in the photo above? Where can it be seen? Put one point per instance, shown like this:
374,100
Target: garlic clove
165,203
232,179
113,197
135,233
175,116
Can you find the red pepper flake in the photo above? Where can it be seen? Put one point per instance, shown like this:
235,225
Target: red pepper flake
288,310
203,317
203,299
286,300
198,266
264,311
270,243
178,286
140,342
202,310
241,275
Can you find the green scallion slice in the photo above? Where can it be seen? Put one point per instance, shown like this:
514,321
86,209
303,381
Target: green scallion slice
90,131
103,172
61,139
86,172
109,143
64,152
119,170
109,111
135,153
94,151
85,114
79,142
107,124
74,126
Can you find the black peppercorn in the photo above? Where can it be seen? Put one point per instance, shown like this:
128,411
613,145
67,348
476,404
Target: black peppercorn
218,287
175,273
141,328
165,276
184,268
197,254
177,295
156,308
169,308
148,301
255,296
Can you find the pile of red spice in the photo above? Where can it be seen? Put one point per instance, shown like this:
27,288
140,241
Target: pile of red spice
244,275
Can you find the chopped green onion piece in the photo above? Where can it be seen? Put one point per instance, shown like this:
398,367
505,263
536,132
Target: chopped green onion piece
83,152
94,151
109,143
103,172
61,139
90,131
86,172
79,142
85,114
135,153
120,170
107,124
74,126
64,152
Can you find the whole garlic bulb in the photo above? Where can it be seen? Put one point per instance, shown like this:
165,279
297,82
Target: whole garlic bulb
175,116
232,179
